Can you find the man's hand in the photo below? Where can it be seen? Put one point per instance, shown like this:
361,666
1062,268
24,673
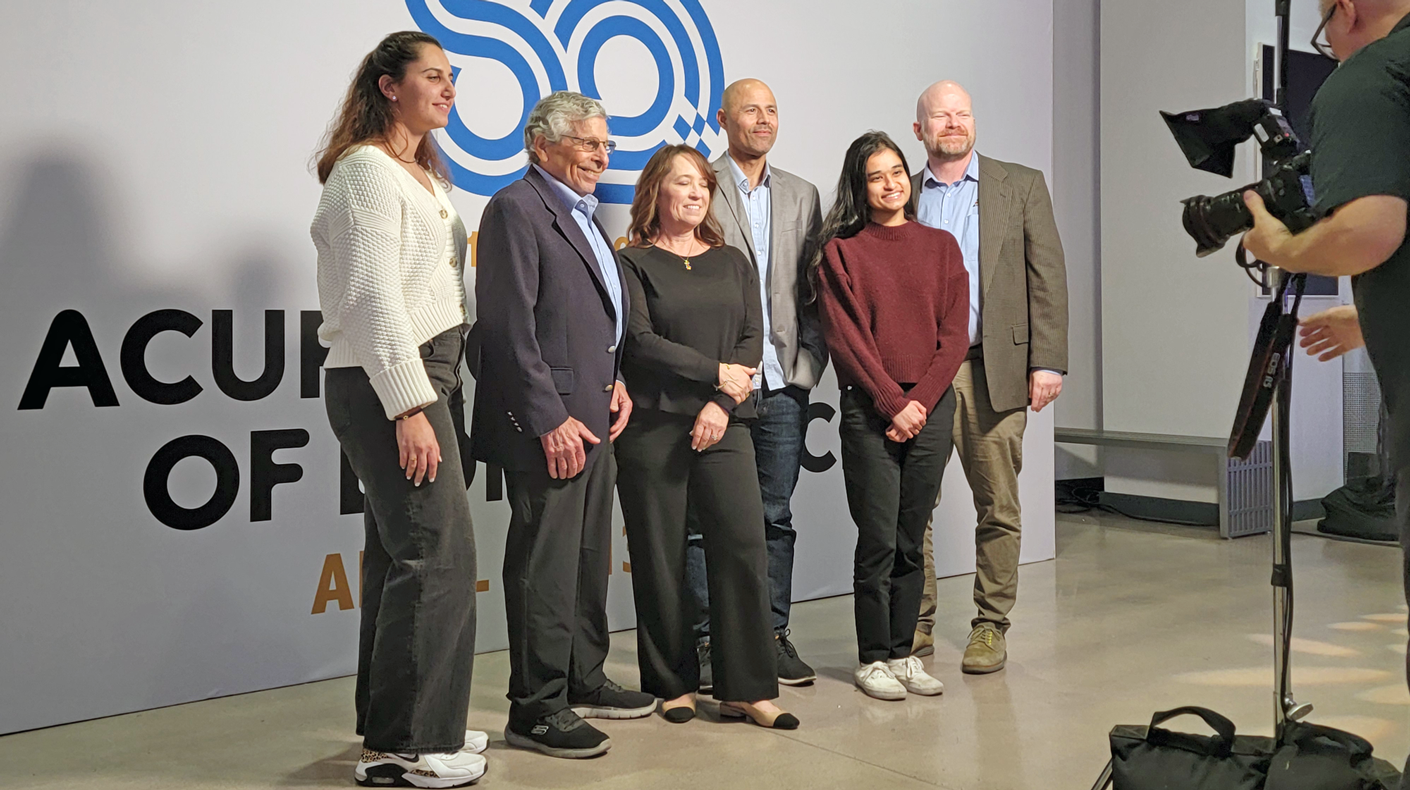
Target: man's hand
1269,234
420,453
709,428
907,423
1043,388
563,447
1331,333
622,407
1355,239
736,381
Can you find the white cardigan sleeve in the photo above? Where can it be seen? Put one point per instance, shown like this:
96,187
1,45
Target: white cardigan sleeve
365,236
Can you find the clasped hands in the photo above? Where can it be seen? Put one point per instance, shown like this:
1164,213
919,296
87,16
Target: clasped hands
736,381
907,422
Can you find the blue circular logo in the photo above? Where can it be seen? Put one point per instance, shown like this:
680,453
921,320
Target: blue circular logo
556,47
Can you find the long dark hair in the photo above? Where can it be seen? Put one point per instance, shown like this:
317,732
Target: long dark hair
850,212
645,221
366,115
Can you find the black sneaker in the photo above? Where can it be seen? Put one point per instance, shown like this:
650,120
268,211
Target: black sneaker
707,673
611,701
561,734
791,669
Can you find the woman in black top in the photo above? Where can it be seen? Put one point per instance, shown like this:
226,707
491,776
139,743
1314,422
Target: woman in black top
694,341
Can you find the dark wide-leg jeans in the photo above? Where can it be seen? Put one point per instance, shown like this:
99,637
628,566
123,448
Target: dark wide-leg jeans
416,648
778,434
661,480
891,489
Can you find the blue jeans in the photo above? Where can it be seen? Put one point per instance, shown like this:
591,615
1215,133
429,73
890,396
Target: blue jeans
778,435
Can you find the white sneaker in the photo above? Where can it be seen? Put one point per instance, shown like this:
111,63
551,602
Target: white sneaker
877,681
384,769
475,741
910,673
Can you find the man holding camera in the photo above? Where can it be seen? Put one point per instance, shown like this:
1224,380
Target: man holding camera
1361,174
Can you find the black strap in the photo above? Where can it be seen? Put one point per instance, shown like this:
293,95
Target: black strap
1303,733
1224,729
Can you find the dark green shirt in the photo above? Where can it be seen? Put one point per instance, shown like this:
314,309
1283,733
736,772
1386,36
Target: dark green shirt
1361,147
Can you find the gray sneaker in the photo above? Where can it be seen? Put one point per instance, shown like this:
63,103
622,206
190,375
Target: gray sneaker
987,652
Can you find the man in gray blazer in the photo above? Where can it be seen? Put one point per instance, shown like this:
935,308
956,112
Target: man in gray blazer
773,217
547,401
1002,217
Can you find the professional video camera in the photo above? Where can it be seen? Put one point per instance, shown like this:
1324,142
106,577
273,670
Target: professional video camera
1209,137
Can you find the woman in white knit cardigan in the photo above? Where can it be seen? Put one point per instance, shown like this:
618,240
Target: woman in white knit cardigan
391,254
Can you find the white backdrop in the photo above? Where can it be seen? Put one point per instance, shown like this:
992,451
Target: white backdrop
155,157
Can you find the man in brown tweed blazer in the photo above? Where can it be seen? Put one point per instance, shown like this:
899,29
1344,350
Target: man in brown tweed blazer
1002,217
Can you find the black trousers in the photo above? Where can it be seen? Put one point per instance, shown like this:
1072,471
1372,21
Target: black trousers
416,648
557,557
662,480
891,490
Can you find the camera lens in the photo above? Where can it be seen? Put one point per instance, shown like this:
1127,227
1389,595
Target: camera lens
1212,221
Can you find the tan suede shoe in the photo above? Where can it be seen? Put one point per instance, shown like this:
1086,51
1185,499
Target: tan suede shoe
987,651
922,644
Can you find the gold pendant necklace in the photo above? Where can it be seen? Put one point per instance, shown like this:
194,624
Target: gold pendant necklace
684,259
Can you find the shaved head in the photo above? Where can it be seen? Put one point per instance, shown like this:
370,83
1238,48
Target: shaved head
738,90
749,116
943,92
945,123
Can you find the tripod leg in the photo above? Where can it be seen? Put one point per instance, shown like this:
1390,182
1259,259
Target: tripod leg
1105,780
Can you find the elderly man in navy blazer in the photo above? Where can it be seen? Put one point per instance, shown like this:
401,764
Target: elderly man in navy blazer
551,315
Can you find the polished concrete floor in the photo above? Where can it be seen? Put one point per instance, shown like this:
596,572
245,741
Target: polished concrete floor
1131,618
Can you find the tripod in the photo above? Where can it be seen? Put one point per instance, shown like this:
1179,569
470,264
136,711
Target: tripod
1285,708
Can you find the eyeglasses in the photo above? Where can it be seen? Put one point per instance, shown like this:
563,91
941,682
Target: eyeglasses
1319,40
590,144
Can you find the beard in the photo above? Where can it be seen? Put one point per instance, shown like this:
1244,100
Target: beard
950,147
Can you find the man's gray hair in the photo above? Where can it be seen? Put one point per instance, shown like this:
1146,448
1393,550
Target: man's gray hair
553,118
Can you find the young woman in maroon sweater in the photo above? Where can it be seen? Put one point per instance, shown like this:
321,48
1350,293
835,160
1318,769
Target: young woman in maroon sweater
894,299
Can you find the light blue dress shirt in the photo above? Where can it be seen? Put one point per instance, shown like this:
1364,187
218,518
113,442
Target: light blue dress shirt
758,206
582,208
955,208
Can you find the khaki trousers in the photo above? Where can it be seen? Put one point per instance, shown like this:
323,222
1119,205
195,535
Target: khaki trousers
990,445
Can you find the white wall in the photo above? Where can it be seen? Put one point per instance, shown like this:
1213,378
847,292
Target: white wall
1076,187
160,162
1173,325
1175,329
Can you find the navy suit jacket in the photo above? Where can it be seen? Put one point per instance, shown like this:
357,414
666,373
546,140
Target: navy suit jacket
545,330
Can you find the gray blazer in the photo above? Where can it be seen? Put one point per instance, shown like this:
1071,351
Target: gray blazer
1022,279
797,220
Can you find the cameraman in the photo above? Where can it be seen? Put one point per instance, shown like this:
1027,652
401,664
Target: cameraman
1361,173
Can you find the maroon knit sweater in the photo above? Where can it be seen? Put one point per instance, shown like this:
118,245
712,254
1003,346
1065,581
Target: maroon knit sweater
895,310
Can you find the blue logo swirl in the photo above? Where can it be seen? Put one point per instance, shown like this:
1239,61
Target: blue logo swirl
690,77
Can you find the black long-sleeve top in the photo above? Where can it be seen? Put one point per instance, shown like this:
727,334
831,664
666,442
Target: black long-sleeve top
684,322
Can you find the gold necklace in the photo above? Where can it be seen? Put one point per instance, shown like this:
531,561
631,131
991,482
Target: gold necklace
684,259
